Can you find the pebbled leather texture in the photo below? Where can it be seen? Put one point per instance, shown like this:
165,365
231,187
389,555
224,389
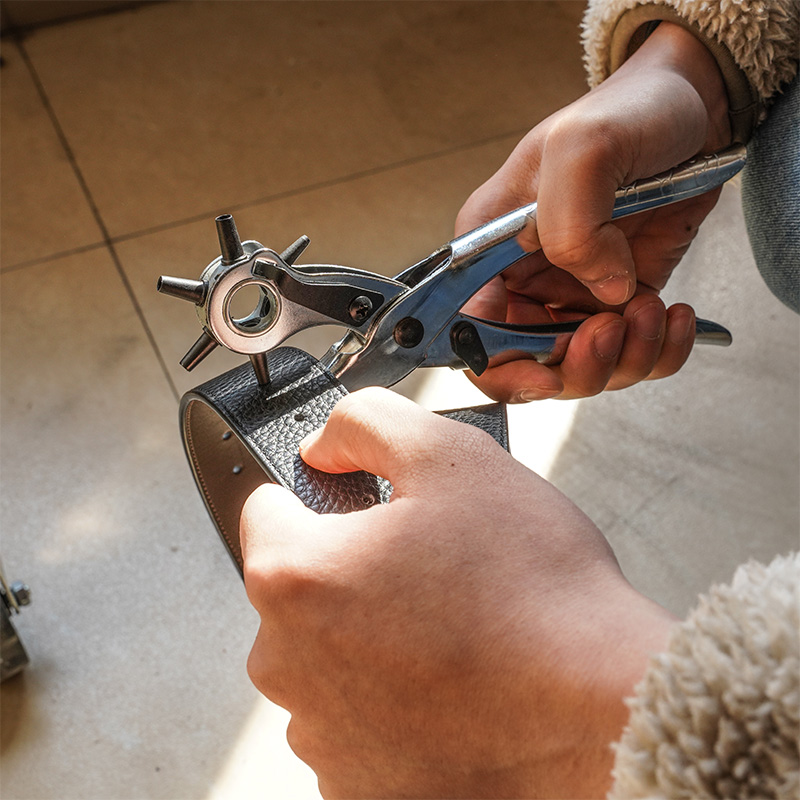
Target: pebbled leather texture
238,435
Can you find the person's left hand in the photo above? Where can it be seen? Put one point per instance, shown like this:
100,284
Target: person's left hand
472,638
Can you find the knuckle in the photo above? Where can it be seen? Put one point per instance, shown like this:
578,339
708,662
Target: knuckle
304,745
586,138
291,584
589,385
513,185
320,751
477,440
256,577
474,212
624,379
268,677
569,247
276,586
366,397
357,417
666,368
252,510
257,672
582,144
354,411
591,390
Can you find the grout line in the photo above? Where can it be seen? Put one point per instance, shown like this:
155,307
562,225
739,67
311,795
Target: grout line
14,30
32,262
107,241
324,184
295,192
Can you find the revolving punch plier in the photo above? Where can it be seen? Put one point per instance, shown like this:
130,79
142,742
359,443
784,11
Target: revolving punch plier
394,325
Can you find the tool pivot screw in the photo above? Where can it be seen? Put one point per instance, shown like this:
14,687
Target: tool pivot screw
408,332
467,335
360,308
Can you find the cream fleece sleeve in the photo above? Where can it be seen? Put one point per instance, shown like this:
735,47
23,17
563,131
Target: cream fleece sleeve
718,714
755,42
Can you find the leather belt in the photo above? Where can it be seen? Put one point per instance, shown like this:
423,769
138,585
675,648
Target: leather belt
238,435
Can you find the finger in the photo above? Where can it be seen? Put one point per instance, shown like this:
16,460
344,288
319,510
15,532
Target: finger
512,186
592,356
489,201
271,517
381,432
489,302
646,317
678,342
520,381
588,365
576,198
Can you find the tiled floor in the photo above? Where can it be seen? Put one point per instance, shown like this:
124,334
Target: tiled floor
365,126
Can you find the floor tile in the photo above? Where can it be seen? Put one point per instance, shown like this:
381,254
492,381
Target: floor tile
44,209
179,109
139,628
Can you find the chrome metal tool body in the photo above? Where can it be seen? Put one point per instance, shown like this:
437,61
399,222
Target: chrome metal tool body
394,325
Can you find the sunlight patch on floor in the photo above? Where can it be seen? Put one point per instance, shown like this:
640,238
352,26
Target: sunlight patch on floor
537,431
261,764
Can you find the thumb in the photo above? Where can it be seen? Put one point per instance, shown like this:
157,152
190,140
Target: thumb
378,431
574,226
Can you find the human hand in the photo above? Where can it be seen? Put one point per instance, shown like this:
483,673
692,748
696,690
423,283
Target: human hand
472,638
664,105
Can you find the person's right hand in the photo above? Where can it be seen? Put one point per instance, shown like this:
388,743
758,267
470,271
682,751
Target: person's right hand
666,104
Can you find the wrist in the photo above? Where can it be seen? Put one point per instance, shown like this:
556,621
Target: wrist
623,632
578,681
642,629
677,50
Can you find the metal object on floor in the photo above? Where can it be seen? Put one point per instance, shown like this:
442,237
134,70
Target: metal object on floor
13,596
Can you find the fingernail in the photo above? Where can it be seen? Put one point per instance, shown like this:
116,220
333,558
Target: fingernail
649,321
309,439
529,395
680,328
607,342
614,290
